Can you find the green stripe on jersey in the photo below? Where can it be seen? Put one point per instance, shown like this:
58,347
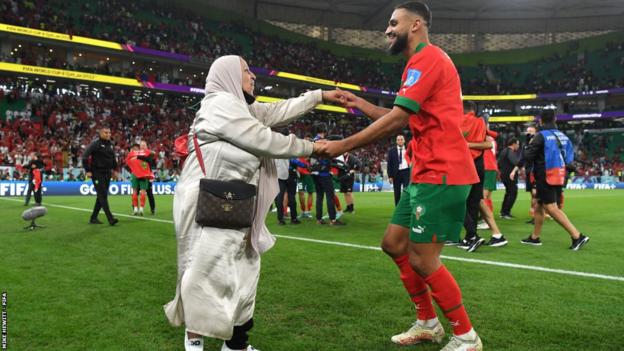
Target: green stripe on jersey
407,103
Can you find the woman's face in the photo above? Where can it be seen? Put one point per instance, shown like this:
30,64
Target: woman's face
249,79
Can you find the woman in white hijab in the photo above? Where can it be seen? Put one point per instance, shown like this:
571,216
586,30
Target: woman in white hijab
218,269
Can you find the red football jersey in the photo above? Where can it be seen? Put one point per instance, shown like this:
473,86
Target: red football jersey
473,129
431,90
489,156
139,168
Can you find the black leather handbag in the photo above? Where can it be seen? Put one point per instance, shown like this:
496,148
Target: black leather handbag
223,204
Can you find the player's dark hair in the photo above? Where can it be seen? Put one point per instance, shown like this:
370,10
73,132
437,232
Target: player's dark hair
136,145
418,8
512,141
548,116
470,106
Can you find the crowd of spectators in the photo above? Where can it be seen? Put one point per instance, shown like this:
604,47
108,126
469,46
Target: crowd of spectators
147,24
59,123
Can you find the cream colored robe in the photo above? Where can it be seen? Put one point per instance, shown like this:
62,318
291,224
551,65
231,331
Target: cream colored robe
218,269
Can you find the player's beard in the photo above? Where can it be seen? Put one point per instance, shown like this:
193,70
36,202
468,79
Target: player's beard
399,45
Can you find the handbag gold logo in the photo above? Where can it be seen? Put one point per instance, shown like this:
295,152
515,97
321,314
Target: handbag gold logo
227,207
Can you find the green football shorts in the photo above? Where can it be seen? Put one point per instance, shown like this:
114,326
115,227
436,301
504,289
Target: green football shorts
434,213
139,183
490,181
306,183
336,183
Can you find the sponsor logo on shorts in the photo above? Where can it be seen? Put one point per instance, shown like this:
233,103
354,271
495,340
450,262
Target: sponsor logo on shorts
419,229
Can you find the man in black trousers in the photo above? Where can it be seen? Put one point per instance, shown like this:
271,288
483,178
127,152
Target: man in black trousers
34,176
99,162
398,168
507,161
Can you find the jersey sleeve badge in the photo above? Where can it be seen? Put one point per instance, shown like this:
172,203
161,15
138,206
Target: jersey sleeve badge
413,75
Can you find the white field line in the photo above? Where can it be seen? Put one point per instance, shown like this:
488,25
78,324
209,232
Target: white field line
375,248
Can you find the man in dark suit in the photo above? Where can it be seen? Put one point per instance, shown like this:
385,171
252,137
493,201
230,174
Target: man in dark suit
398,168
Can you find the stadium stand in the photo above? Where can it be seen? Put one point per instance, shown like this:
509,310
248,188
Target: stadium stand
60,121
565,67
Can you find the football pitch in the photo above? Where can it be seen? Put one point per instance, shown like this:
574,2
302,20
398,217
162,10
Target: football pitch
75,286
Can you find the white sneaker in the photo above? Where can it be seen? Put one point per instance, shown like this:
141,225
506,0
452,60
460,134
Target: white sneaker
141,211
195,344
457,344
483,225
418,334
249,348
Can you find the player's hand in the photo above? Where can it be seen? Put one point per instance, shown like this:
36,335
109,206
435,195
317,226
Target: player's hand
114,175
334,96
390,180
89,175
318,148
333,149
349,100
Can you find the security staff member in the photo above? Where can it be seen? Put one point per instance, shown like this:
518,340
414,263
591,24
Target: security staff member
99,161
550,151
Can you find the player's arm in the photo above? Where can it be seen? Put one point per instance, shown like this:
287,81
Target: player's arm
385,126
484,145
369,109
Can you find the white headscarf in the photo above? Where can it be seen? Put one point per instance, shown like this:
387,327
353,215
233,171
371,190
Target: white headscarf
225,75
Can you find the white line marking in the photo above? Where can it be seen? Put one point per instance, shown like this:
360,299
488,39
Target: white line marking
472,260
375,248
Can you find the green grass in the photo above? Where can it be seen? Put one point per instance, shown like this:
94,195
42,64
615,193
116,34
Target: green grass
74,286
